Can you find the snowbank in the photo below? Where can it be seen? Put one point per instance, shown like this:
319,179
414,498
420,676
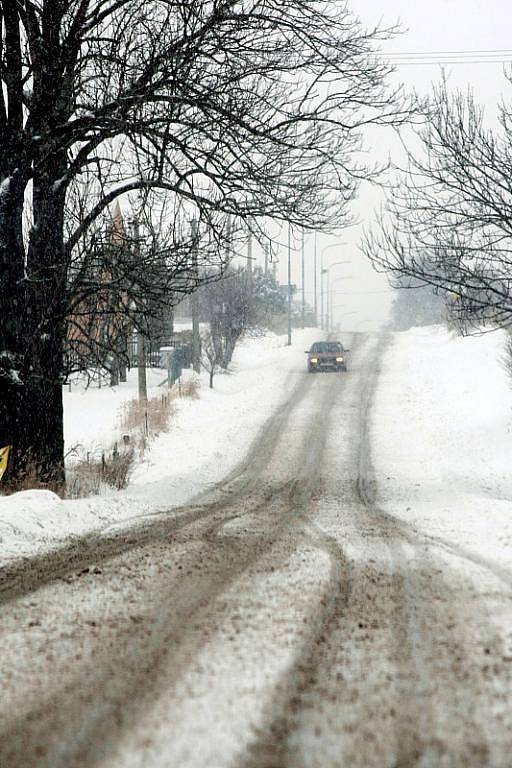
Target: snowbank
442,438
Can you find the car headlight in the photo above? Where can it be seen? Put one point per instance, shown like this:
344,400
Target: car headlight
313,360
339,359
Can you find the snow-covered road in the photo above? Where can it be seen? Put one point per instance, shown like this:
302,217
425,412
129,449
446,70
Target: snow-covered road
284,619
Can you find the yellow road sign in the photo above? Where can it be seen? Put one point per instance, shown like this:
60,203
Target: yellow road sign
4,458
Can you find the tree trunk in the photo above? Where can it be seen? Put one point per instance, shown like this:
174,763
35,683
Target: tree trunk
114,372
41,433
229,348
12,318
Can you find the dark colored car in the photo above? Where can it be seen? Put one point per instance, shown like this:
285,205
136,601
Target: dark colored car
327,356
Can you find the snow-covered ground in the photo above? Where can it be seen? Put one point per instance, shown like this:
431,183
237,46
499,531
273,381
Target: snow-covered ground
295,623
92,414
208,437
442,440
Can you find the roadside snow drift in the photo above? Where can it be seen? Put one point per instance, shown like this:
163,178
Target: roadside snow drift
442,438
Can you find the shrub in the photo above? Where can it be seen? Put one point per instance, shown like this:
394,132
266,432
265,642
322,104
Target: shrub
150,417
87,476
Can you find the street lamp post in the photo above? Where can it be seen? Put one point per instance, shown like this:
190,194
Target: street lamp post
327,271
315,287
323,318
322,272
289,284
303,307
345,314
331,296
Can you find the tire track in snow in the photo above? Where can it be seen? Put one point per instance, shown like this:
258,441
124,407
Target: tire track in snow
392,676
29,574
271,748
438,633
130,675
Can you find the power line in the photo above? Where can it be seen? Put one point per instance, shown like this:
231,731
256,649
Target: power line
362,293
418,58
483,52
402,63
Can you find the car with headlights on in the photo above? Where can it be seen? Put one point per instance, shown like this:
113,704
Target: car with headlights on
327,356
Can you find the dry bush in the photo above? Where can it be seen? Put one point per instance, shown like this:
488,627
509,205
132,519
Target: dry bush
190,388
87,476
148,418
140,422
116,470
83,479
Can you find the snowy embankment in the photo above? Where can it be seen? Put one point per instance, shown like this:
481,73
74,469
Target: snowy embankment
442,442
208,437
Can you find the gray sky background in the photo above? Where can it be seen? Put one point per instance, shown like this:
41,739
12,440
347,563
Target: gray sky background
430,26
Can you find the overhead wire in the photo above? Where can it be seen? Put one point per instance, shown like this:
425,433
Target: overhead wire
418,58
467,52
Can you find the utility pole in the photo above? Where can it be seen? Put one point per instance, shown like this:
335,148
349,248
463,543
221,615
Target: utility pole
327,304
289,284
322,271
196,341
315,287
329,295
323,300
303,307
266,247
141,342
249,255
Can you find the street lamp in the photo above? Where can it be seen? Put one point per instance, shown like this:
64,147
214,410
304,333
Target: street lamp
289,284
303,304
332,283
322,272
343,314
330,299
315,286
327,271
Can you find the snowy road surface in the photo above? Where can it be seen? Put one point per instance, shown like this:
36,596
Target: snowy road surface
282,620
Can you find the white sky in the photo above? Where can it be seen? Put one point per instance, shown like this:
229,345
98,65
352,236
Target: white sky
431,25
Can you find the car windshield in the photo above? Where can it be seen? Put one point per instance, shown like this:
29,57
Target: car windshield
334,347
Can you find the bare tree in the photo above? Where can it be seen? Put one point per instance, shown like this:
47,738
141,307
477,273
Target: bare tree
211,355
250,109
228,306
448,221
128,284
241,302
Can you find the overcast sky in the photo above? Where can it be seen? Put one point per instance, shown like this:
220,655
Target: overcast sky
430,26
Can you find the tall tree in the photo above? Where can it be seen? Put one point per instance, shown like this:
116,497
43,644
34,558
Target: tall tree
448,219
226,107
